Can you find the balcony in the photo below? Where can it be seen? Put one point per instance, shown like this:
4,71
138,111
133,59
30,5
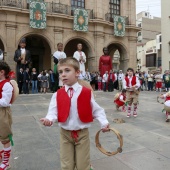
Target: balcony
52,7
11,3
110,17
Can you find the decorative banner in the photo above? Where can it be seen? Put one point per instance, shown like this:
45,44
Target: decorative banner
38,14
119,26
80,20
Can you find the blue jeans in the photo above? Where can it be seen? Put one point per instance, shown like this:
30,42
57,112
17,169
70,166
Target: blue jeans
34,86
104,86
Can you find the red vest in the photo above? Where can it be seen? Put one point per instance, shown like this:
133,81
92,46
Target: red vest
1,86
133,82
83,105
167,98
124,97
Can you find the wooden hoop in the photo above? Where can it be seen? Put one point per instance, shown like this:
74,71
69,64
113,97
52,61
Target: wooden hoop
99,146
159,101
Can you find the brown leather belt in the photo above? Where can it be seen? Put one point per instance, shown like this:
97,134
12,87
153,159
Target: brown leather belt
99,146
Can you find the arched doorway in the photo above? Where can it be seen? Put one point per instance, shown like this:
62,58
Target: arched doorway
40,52
2,47
119,56
71,47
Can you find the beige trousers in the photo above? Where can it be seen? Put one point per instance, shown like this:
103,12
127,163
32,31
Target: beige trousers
5,124
132,97
74,155
120,85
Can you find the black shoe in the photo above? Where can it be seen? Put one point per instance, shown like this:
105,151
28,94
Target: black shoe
167,120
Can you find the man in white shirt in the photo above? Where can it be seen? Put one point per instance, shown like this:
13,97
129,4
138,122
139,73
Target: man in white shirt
120,79
59,54
1,55
105,80
131,84
81,57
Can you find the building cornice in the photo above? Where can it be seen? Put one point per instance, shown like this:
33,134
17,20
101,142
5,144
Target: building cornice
13,26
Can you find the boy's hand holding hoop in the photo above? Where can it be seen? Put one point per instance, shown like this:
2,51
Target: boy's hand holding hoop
99,146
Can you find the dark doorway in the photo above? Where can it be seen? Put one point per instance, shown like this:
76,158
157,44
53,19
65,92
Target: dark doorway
71,47
40,52
35,62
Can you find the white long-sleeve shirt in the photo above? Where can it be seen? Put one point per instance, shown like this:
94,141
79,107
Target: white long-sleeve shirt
59,55
6,95
130,83
77,55
73,122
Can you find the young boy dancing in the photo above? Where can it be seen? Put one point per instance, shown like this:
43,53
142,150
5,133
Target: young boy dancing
131,84
6,91
74,108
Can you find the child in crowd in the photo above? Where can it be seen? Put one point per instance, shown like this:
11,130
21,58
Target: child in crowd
131,84
166,105
6,91
74,108
99,82
120,100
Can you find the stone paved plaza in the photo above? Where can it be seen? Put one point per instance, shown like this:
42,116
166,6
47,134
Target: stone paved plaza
146,138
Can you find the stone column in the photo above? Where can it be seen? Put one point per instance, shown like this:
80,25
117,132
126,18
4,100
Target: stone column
11,44
98,12
132,53
99,44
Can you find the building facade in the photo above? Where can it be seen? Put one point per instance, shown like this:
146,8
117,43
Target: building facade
148,55
150,27
165,25
42,43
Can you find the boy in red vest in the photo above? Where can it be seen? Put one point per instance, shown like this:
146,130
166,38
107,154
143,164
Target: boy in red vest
74,108
6,91
131,83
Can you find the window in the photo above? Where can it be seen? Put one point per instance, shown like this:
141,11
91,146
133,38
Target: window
78,3
139,33
160,38
114,7
151,60
146,14
139,25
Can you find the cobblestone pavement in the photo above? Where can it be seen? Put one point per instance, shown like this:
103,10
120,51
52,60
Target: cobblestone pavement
146,138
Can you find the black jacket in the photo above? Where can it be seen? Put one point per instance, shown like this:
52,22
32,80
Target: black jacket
18,54
20,77
26,76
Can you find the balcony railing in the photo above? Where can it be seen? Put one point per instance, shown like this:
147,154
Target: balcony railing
11,3
51,7
110,17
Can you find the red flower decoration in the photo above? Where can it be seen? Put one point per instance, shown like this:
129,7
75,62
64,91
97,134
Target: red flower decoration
11,74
